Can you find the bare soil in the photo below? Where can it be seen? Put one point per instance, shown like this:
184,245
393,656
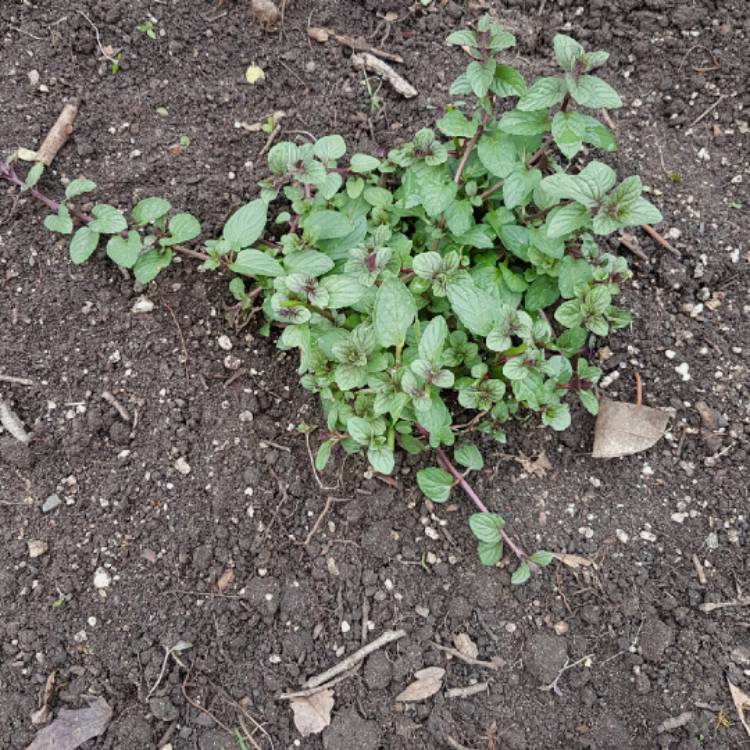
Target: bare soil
251,499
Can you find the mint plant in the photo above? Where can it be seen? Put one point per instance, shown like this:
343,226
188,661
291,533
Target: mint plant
443,290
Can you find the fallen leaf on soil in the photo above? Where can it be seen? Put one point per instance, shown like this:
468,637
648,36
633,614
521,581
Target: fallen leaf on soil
574,561
42,715
72,728
253,74
742,703
226,579
709,416
465,645
266,14
536,467
623,429
312,714
319,34
428,682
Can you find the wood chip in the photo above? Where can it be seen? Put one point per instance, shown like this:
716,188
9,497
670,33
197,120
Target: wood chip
368,61
428,682
466,692
59,134
623,429
465,645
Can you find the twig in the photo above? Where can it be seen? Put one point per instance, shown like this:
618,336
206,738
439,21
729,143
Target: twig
700,572
401,85
14,379
630,242
58,134
361,46
109,397
568,665
318,521
270,140
365,618
707,111
468,659
656,237
355,658
98,39
638,388
167,654
455,744
304,693
708,607
465,692
182,339
468,148
200,708
12,423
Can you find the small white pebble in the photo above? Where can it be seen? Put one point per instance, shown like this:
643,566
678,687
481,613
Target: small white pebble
678,517
142,305
225,343
647,536
683,370
345,626
586,531
102,578
622,535
430,532
182,466
92,622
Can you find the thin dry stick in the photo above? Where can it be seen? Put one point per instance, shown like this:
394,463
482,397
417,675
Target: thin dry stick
638,388
469,690
325,686
318,521
182,339
98,39
14,379
742,601
455,744
568,665
59,134
113,402
270,140
656,237
707,112
468,659
355,658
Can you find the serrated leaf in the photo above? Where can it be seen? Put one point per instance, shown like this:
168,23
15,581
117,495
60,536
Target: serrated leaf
33,175
327,225
124,252
282,157
182,228
433,339
79,187
343,291
566,219
598,135
363,163
508,82
589,401
394,311
323,454
486,527
455,124
435,483
59,222
459,217
497,152
567,52
149,209
252,262
489,554
330,185
473,306
480,76
517,122
148,265
107,220
545,92
557,416
246,224
462,38
329,148
468,455
359,429
519,185
568,132
309,262
592,91
82,244
642,212
542,557
381,459
520,575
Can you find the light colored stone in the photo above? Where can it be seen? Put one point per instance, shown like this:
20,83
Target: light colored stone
225,343
102,578
36,548
182,466
142,305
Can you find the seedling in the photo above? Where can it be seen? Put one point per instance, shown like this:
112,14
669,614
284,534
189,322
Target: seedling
434,293
147,27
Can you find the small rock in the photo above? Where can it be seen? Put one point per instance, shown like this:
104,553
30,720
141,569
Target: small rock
163,709
647,536
182,466
656,637
225,343
622,535
33,77
142,305
545,657
52,502
232,362
683,370
162,112
102,578
36,548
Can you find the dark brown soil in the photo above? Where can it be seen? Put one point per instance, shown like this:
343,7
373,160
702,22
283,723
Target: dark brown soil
250,498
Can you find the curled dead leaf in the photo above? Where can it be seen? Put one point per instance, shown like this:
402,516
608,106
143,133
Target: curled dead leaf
73,727
428,682
574,561
465,645
623,429
535,467
226,579
319,34
42,714
312,713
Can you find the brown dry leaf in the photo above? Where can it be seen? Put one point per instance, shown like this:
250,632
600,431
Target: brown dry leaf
709,416
226,579
428,682
741,703
319,34
72,728
535,467
623,429
574,561
465,645
312,714
43,714
266,14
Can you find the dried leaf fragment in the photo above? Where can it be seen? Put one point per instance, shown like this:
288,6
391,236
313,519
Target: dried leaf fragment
428,682
266,14
253,74
312,714
226,579
42,714
73,727
741,703
574,561
535,467
465,645
319,34
623,429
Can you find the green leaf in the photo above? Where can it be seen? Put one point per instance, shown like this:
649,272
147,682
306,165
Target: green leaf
381,458
489,554
592,91
588,187
354,187
252,262
544,93
427,265
394,311
329,148
519,185
455,125
327,225
343,291
557,416
569,314
435,483
309,262
590,401
542,557
468,455
598,135
480,76
79,187
108,220
282,157
642,212
568,132
323,454
497,152
363,163
462,38
182,228
34,175
359,429
486,527
59,222
517,122
433,339
148,210
508,82
473,306
125,252
246,224
82,244
459,217
567,52
521,574
542,293
378,196
566,219
148,266
330,185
